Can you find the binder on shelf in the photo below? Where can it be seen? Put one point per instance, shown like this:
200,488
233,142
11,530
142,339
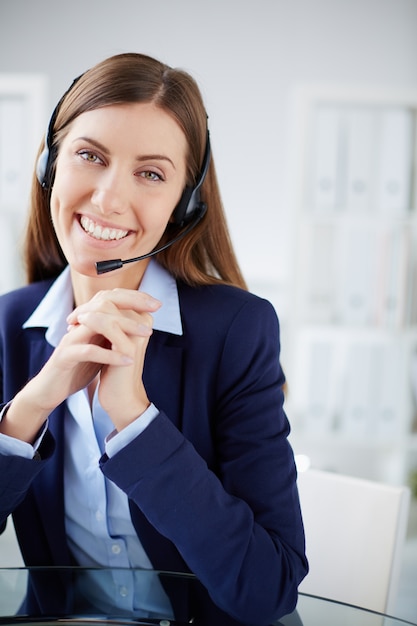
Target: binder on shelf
395,160
395,261
355,402
389,416
413,379
357,274
326,158
360,159
318,285
317,385
411,285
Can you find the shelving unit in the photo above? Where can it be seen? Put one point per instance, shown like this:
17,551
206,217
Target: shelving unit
352,366
22,122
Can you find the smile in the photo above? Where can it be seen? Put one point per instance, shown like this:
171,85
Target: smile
98,232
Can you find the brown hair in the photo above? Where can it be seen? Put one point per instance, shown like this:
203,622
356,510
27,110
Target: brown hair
203,256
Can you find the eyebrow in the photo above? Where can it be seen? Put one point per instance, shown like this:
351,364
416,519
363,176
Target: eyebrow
142,157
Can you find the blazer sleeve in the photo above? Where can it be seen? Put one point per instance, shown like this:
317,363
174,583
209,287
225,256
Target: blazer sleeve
238,528
17,474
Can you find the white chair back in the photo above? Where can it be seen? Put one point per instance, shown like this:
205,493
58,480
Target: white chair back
355,532
9,549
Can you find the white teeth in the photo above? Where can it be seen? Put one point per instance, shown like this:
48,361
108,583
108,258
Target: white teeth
98,232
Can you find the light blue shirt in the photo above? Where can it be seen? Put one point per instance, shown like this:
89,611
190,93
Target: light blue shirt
97,518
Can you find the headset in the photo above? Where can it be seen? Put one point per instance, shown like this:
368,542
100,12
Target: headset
188,212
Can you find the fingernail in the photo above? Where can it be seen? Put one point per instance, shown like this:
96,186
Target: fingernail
153,302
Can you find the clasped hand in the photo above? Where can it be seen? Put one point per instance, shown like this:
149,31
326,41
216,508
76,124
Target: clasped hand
107,338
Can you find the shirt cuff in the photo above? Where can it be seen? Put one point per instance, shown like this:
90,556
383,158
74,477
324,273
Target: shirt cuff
118,440
16,447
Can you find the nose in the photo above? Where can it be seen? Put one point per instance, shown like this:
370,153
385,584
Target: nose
110,194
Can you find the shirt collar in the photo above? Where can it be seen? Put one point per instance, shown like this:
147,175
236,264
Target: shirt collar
57,304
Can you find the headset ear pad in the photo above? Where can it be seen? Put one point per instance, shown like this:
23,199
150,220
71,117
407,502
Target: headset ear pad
186,207
190,203
45,167
41,166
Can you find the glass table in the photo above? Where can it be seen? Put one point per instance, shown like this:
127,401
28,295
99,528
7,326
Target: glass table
311,610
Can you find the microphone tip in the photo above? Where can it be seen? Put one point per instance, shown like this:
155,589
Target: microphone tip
108,266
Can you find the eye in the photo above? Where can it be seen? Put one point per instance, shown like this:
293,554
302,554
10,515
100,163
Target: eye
151,176
88,155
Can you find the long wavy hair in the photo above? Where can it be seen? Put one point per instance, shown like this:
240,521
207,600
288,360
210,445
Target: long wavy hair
203,256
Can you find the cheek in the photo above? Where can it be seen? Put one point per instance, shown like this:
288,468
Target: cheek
155,226
68,184
53,207
155,215
60,214
64,194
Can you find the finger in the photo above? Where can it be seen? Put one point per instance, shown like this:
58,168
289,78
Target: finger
119,298
118,330
93,353
103,323
80,337
135,300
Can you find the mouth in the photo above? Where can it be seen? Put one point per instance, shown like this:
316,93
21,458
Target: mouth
102,233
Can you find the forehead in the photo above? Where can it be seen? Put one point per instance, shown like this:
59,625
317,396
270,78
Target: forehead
137,126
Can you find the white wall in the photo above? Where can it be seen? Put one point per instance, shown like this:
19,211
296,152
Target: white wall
247,56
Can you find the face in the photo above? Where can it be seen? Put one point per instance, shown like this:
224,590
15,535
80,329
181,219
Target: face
120,172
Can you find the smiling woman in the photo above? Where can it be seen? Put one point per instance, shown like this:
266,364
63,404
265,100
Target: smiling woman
142,421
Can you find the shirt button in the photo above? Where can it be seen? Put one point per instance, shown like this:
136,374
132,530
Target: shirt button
99,516
116,549
123,592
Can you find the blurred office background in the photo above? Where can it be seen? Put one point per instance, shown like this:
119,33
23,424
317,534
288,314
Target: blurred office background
312,111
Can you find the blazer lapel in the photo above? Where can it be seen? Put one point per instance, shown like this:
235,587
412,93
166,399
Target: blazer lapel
39,350
162,378
162,374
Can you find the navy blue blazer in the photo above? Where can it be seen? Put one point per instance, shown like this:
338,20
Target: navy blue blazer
211,482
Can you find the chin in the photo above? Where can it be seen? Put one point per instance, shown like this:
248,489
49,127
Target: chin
85,267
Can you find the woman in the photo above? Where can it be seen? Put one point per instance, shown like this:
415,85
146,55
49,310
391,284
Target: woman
142,421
